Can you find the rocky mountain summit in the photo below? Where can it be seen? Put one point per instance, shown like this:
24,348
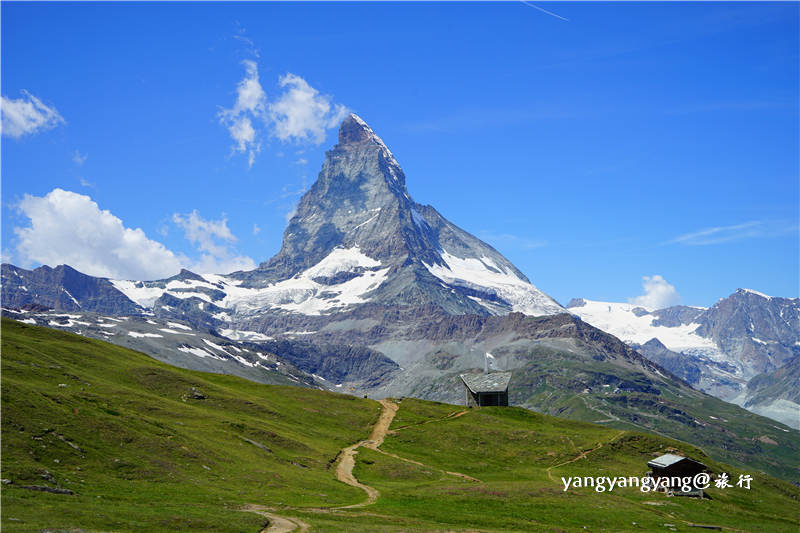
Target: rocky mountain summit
358,236
62,288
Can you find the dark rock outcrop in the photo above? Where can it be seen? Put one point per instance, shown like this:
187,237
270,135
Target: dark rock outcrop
63,289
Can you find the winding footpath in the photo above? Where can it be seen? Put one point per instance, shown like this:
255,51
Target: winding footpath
277,524
344,472
344,469
583,454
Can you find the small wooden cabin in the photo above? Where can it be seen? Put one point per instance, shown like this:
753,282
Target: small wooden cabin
486,389
671,468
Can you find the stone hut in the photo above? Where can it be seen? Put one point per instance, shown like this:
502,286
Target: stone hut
486,389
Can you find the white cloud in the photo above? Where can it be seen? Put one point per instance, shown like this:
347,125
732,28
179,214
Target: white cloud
212,237
301,113
6,256
27,115
250,104
204,233
70,228
86,183
256,229
658,294
79,158
721,234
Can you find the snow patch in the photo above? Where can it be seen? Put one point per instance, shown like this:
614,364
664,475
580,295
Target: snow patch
619,320
341,260
71,297
137,335
137,292
368,220
217,347
486,275
302,294
244,335
751,291
172,331
199,352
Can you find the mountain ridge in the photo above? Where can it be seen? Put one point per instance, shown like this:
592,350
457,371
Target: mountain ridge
718,349
360,201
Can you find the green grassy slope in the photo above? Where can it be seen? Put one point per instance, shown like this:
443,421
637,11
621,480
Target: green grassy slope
511,450
553,384
125,434
141,453
576,380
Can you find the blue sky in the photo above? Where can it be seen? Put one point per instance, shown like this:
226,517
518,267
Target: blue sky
630,140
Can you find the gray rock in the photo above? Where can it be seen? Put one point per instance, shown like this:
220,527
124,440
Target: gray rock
63,289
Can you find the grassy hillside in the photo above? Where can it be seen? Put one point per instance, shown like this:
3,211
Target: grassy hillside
558,380
127,435
554,383
148,447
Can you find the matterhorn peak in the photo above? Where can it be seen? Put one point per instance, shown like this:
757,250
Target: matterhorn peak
359,218
354,130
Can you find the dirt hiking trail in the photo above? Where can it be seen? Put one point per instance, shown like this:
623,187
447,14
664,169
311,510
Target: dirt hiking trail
344,469
277,524
344,472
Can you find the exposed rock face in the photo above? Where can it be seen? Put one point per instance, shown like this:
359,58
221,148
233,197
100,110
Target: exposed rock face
360,202
678,315
336,363
719,349
63,289
760,331
677,363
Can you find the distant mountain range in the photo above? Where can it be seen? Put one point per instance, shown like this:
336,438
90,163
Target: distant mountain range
373,293
744,349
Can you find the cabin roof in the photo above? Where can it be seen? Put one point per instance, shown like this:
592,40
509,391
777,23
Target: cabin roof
669,459
494,382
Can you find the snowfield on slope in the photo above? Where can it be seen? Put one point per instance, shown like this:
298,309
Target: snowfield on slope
485,275
619,320
299,294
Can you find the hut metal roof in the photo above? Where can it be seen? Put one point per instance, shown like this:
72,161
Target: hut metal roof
669,459
494,382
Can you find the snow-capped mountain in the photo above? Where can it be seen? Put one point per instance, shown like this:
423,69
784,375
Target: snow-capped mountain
62,288
718,349
357,243
357,237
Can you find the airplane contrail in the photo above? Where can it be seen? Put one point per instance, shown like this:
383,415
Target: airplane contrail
544,11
